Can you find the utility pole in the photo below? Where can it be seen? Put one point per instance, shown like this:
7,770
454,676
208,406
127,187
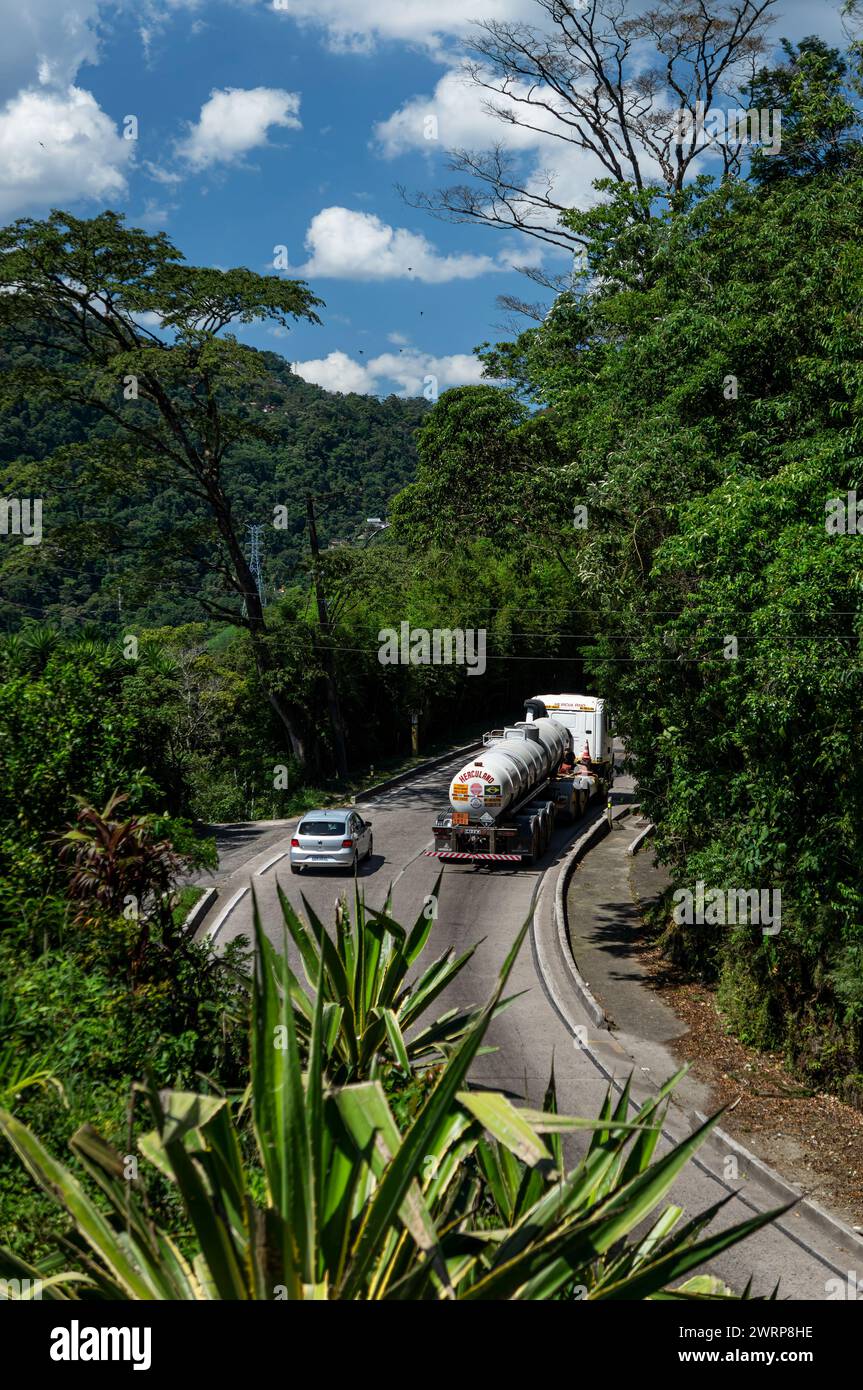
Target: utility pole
326,654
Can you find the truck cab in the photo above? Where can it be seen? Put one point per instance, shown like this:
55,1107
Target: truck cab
589,722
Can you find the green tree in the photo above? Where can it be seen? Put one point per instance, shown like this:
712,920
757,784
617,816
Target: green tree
87,292
815,90
709,411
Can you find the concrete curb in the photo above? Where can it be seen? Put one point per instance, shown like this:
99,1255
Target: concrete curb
831,1226
197,914
368,792
590,837
639,839
215,927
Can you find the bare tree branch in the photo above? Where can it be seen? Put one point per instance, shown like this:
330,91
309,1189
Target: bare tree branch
578,79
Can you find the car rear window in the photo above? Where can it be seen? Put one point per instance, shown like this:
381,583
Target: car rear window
322,827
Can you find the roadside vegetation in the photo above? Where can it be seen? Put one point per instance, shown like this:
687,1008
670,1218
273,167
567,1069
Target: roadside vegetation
311,1190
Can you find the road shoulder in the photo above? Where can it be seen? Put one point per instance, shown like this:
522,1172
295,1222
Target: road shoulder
660,1020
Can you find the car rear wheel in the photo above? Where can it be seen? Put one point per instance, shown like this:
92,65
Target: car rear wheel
296,869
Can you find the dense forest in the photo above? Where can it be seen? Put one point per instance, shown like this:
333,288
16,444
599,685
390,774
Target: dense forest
706,394
140,555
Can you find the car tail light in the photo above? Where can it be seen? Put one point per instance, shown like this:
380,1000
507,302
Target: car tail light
295,844
347,844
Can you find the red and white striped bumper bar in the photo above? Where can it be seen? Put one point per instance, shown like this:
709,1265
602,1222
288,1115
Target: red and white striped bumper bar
458,854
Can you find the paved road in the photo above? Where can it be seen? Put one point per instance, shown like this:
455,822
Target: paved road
488,905
473,903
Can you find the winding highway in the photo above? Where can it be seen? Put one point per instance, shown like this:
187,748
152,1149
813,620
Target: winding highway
804,1251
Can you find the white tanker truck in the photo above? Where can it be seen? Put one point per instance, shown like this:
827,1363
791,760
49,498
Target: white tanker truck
504,802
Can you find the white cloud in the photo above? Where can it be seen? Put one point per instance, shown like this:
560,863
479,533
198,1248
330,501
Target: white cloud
409,371
412,369
358,245
359,25
236,120
148,318
154,216
337,372
457,107
169,177
57,147
48,41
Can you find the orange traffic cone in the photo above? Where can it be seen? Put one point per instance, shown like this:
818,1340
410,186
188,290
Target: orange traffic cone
585,757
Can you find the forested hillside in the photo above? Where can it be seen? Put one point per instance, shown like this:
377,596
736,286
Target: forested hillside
141,551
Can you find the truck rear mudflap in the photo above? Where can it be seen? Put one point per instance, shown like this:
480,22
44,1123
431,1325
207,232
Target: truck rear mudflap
478,857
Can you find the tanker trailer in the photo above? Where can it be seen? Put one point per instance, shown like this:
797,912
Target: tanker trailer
502,803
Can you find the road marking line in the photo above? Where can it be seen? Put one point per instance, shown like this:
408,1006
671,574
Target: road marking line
270,862
223,916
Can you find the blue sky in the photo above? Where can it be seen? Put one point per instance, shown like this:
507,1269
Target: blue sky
270,123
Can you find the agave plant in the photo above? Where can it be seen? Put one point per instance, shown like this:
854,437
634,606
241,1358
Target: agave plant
471,1201
38,642
369,1005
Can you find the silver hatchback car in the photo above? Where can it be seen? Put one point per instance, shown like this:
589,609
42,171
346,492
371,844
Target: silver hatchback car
329,840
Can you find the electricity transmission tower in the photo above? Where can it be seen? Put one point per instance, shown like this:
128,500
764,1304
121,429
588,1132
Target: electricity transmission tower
255,553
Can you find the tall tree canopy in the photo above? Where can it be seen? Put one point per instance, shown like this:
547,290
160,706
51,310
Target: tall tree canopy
135,334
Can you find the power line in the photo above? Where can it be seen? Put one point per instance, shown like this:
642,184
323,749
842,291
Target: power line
649,657
593,638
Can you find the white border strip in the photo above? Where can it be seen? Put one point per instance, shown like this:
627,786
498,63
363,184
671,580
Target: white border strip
270,862
640,838
226,912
